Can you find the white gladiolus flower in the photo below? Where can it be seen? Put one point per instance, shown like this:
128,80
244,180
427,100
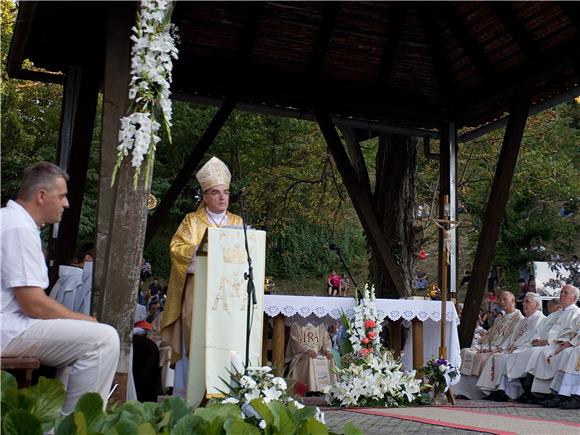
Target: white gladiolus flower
152,57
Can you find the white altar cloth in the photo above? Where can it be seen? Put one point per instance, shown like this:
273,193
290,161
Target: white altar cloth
318,309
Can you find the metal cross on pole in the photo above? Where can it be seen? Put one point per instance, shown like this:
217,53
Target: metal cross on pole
447,226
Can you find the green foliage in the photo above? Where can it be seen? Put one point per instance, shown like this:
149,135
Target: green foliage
40,404
35,410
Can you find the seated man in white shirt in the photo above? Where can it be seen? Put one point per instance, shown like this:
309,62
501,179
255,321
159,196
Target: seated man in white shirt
33,324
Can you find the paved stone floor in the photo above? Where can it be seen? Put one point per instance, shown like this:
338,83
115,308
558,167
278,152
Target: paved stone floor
379,425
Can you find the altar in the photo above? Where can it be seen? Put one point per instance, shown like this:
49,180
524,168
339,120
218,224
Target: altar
423,318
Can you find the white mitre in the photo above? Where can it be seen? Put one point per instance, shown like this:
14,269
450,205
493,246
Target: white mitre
213,173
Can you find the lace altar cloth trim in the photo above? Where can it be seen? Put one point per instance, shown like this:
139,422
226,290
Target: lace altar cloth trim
394,309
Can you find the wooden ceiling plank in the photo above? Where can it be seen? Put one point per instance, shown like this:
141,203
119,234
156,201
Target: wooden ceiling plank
322,42
392,43
515,28
469,44
438,57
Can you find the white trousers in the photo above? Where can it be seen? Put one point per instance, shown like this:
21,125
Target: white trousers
85,353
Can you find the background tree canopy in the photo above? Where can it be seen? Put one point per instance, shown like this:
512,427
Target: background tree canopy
295,192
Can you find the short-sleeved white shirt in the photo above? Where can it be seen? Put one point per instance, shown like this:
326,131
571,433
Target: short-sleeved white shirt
22,265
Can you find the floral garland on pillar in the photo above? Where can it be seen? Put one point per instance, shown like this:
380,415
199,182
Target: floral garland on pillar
151,64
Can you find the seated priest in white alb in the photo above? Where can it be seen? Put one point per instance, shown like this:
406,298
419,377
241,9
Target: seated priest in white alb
493,377
309,355
474,358
549,360
555,329
566,382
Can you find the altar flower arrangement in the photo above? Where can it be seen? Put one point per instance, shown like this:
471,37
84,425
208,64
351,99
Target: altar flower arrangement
371,375
257,389
152,55
440,374
375,380
365,328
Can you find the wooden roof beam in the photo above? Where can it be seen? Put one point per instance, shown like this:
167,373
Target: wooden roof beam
515,28
393,38
361,200
469,44
494,214
323,38
544,67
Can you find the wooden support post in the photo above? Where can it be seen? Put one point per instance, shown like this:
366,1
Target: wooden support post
417,327
494,213
265,341
77,131
361,201
278,342
122,210
395,336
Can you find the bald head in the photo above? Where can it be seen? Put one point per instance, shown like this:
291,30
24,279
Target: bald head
568,295
507,301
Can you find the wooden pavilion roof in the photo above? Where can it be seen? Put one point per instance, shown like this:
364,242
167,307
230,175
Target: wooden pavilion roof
403,63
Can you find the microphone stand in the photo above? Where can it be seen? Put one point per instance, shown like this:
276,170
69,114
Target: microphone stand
251,289
336,249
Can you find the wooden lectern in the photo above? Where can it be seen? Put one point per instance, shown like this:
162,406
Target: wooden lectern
219,309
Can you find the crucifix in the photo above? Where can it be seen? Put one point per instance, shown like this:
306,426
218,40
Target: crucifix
446,225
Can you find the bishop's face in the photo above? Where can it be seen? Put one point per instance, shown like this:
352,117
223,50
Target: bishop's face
217,198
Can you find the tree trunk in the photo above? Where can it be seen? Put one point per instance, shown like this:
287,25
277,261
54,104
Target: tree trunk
395,205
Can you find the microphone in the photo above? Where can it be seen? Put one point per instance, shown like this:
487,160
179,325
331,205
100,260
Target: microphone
237,196
334,247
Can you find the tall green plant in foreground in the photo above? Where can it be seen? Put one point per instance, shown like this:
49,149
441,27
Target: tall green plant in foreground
35,410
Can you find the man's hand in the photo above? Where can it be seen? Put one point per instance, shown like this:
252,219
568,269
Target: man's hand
538,342
562,346
312,354
328,354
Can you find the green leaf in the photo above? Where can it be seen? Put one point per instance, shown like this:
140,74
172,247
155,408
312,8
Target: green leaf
80,423
146,429
191,424
177,407
126,427
312,427
47,398
350,429
260,406
66,426
91,405
8,381
305,413
20,422
282,420
214,411
240,427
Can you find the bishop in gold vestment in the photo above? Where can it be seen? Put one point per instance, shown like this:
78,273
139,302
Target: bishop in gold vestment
214,178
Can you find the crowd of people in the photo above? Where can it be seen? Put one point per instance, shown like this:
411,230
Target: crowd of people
529,357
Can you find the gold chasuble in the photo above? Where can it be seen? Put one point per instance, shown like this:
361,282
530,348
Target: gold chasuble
178,306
